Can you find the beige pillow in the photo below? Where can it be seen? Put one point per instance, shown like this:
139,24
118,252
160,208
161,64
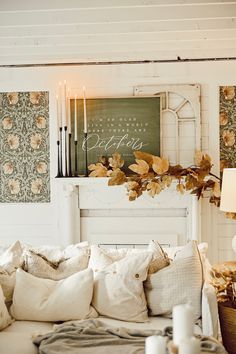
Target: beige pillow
5,319
10,260
38,265
37,299
118,289
100,258
179,283
56,253
160,259
7,282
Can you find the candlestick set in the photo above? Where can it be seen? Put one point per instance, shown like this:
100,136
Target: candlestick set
183,335
65,145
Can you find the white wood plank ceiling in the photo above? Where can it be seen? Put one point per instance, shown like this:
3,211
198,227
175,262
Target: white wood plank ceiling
81,31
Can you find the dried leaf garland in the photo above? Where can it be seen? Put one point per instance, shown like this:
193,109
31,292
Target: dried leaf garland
152,174
141,167
160,165
98,170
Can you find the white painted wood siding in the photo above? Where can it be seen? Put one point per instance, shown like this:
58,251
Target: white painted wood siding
115,30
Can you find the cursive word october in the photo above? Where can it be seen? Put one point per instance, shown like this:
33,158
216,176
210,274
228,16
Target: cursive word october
94,141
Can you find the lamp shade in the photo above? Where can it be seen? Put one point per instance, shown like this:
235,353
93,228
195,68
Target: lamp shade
228,190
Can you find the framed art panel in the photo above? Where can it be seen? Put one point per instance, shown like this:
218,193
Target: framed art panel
227,129
24,147
116,125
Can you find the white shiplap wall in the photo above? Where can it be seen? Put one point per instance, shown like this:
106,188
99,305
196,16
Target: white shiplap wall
39,223
115,30
77,31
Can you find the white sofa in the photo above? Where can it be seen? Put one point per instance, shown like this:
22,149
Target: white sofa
17,338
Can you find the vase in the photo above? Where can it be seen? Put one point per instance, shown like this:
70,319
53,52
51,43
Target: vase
227,317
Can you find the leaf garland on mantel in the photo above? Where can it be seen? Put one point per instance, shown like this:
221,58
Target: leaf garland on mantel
152,174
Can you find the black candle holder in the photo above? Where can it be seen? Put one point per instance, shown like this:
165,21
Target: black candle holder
76,162
69,157
65,141
60,151
86,152
59,172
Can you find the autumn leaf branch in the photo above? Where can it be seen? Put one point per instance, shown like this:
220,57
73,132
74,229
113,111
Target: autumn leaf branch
152,174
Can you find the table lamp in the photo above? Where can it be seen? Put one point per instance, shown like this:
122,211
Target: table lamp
228,195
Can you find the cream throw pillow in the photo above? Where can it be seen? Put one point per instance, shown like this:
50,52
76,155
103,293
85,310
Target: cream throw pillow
37,299
179,283
159,260
56,253
100,258
40,266
118,289
10,260
5,319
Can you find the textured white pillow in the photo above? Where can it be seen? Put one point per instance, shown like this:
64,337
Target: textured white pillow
118,289
38,265
37,299
179,283
5,319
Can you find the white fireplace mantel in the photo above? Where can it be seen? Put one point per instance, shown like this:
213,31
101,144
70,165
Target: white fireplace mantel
90,209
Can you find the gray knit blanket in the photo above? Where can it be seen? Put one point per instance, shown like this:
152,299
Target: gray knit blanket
93,336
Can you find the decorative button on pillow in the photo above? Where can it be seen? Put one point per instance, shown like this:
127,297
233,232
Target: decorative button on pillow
37,299
118,289
179,283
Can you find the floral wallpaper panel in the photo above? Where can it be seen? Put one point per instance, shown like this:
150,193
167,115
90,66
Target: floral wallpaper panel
24,147
227,127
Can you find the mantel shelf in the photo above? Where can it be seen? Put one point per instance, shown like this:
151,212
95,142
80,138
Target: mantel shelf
82,181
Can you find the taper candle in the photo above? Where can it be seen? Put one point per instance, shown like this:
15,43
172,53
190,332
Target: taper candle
85,112
183,322
75,119
59,106
58,119
68,112
64,105
155,345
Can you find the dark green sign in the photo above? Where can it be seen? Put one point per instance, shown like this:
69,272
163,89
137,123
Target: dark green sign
117,125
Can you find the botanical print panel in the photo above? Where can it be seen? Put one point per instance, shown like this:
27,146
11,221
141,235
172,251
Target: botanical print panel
24,147
227,127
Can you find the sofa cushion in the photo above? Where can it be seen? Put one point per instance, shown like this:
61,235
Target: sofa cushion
118,289
179,283
37,299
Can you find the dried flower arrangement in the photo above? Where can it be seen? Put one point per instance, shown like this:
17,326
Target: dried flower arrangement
224,281
152,174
